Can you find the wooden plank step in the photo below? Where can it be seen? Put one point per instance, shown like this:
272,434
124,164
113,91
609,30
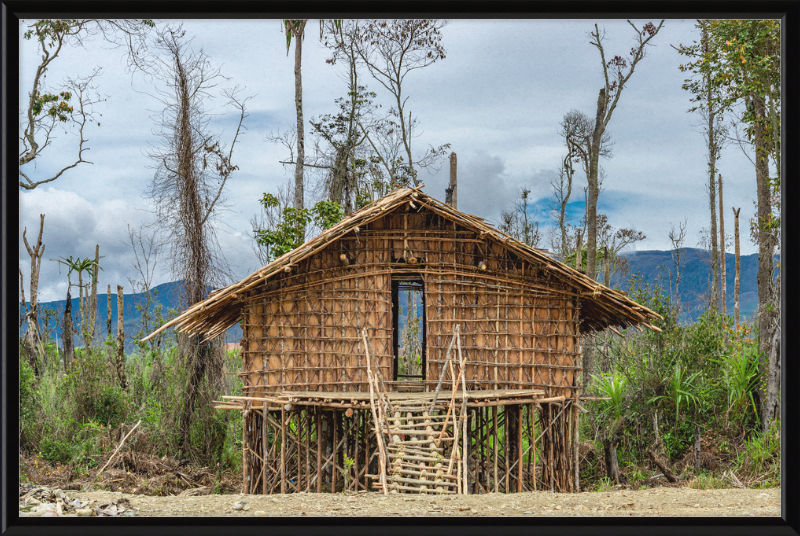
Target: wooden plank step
377,487
425,451
416,458
420,441
415,432
428,474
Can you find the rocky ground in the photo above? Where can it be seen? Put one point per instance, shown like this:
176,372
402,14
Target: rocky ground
666,501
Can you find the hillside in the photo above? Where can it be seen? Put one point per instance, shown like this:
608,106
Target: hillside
655,267
166,295
695,284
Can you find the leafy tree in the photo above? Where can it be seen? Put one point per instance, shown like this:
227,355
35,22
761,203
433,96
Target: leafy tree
287,231
390,50
48,109
742,65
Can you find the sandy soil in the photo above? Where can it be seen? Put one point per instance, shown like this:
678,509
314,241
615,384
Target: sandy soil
649,502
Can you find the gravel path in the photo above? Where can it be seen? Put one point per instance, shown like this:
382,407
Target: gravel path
650,502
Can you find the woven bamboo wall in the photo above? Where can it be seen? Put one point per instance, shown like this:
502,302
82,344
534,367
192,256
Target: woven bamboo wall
519,326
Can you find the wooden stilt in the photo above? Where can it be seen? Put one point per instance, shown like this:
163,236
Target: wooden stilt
282,473
494,444
265,448
334,453
318,413
520,450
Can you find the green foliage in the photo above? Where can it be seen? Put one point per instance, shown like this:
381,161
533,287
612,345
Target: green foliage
68,418
611,386
740,379
684,388
289,232
59,110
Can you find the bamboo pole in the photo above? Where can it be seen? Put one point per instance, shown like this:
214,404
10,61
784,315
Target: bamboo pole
378,425
265,447
318,414
283,450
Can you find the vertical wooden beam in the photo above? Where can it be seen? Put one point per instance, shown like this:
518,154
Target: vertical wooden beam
334,453
520,450
318,413
507,441
308,449
532,453
494,444
297,414
264,446
576,446
282,473
245,457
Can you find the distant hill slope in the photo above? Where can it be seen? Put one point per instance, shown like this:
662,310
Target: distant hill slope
652,266
695,285
166,295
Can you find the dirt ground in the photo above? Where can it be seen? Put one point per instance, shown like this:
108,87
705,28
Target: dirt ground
650,502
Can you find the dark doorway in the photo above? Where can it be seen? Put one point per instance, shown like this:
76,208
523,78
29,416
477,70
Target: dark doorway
408,312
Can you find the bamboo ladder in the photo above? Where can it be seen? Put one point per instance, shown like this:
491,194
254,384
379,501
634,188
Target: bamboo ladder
416,435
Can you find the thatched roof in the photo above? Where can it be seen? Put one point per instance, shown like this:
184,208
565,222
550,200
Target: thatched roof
601,307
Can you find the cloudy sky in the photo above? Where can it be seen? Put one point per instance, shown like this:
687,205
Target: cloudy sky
497,98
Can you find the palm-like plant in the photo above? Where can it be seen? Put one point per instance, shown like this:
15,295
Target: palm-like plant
683,389
612,386
79,265
741,377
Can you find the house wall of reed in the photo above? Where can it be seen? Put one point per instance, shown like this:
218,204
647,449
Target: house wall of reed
519,324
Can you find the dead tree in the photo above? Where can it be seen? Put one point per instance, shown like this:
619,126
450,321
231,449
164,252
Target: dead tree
737,260
93,299
69,345
33,338
120,353
607,101
108,311
192,169
722,272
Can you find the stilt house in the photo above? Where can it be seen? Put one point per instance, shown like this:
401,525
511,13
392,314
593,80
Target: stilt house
330,402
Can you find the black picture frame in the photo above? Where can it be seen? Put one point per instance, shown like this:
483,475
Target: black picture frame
12,10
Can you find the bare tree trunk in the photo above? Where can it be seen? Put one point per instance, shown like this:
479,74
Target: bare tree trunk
772,412
93,299
765,250
578,251
723,272
712,195
738,265
298,103
33,337
697,446
454,180
594,185
606,268
610,442
69,345
108,311
120,354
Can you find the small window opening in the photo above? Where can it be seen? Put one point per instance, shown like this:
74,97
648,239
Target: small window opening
408,307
